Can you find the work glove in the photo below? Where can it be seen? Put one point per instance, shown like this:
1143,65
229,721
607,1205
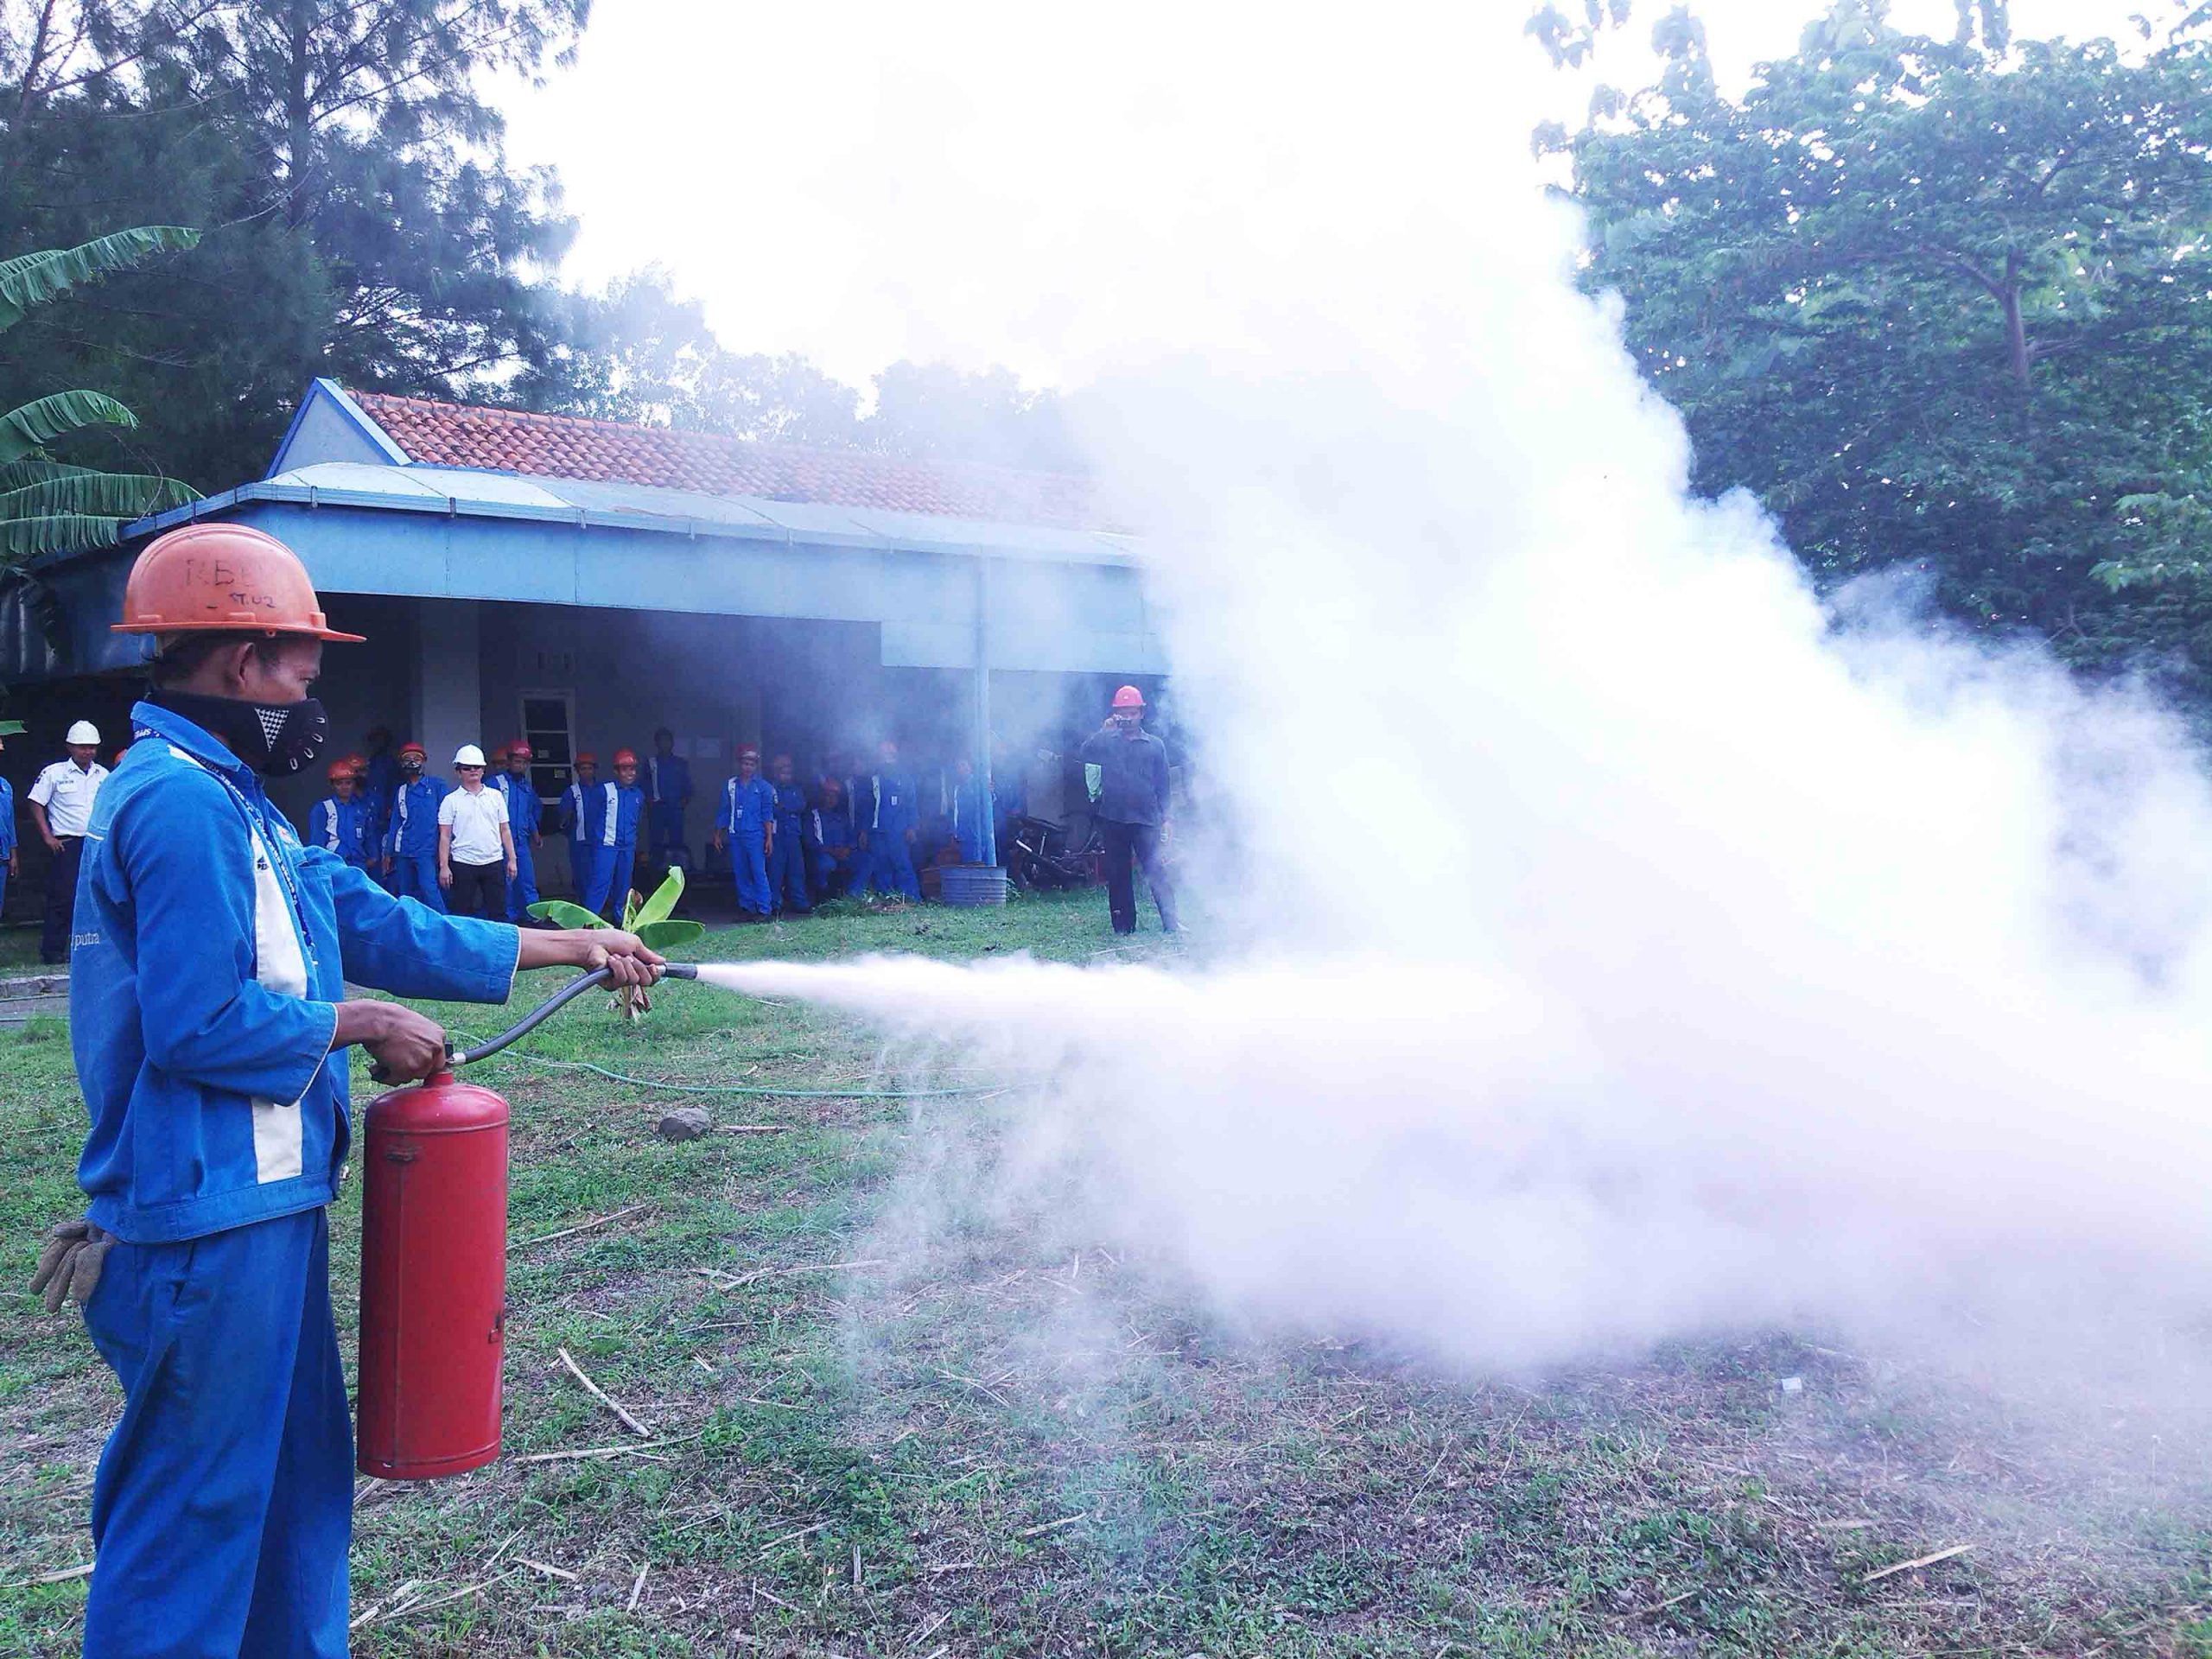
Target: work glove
69,1266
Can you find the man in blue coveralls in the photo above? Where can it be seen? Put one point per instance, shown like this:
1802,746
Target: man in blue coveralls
884,816
668,793
746,823
829,843
208,1016
379,784
626,812
583,817
523,813
411,837
787,847
340,822
9,857
972,810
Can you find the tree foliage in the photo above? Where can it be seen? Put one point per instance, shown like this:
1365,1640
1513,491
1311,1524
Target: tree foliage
1944,302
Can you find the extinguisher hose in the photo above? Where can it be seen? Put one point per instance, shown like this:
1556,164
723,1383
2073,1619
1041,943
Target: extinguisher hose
538,1016
553,1005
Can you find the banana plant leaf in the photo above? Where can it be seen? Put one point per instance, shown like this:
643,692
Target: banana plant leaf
105,495
662,905
661,935
23,539
567,915
28,427
30,279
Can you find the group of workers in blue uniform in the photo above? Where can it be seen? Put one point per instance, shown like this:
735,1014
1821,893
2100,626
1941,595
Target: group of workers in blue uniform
390,832
211,954
853,836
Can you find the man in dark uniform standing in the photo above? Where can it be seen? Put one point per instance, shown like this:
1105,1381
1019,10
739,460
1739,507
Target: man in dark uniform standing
1125,770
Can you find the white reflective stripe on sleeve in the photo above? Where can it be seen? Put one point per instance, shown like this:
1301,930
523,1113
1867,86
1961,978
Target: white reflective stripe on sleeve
614,817
280,964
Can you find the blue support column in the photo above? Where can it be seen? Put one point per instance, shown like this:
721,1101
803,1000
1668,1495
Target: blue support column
983,711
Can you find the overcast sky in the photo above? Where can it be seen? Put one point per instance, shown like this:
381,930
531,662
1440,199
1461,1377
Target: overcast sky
866,181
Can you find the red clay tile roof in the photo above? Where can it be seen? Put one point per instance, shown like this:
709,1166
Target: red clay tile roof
565,445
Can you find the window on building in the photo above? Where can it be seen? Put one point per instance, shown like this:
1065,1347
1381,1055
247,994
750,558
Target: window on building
548,720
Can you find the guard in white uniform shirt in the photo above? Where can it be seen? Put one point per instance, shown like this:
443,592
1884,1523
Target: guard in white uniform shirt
61,807
476,849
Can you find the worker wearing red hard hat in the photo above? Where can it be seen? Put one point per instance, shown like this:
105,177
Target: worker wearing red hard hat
524,811
1125,772
209,1013
613,813
340,822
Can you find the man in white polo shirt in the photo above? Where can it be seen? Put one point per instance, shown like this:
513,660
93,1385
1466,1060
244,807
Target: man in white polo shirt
476,849
61,807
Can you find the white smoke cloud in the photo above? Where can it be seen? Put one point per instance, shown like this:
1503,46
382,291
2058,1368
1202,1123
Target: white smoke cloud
1640,947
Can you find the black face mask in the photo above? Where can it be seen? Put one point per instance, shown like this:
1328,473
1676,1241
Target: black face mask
275,740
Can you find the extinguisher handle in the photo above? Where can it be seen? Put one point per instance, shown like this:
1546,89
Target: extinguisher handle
379,1072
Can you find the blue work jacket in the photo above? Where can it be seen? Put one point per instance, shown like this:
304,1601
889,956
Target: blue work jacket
749,806
342,827
7,819
381,783
885,805
829,826
790,807
666,777
583,811
626,804
210,948
413,832
523,808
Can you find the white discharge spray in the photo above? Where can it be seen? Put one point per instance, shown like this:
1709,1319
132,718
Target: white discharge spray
1640,947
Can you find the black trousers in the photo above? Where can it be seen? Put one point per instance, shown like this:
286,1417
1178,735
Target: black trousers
1141,840
479,890
60,900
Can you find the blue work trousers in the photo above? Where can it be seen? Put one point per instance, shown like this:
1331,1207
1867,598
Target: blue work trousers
835,877
787,873
664,829
522,891
225,1497
887,865
749,868
415,875
611,869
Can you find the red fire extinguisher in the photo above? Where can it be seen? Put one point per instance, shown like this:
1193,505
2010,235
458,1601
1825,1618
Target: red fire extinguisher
433,1276
433,1263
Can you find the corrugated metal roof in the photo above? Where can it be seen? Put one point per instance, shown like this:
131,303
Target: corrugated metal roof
467,492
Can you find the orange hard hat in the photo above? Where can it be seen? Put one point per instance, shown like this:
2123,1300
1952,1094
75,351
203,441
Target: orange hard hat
586,757
1128,697
521,749
228,577
339,769
624,757
411,747
748,753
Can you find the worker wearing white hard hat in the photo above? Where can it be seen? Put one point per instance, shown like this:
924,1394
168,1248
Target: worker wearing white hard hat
61,808
476,846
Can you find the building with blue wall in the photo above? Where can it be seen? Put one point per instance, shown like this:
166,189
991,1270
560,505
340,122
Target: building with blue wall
585,582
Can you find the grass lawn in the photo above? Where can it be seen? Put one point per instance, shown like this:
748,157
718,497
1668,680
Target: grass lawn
987,1438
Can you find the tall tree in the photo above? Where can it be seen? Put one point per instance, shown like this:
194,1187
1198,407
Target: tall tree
1942,302
364,221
